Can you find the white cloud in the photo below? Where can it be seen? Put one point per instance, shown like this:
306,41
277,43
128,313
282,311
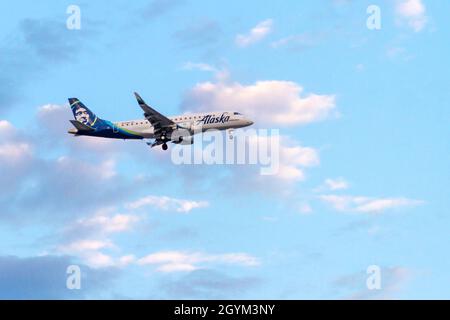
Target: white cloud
87,237
176,261
126,260
85,245
378,205
5,127
292,158
14,153
103,223
266,102
413,12
14,149
166,203
96,259
256,34
49,109
336,184
366,204
90,252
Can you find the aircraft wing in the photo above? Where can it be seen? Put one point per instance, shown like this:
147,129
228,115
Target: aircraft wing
157,120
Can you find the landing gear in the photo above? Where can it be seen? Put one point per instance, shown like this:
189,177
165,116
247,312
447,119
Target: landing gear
230,134
164,146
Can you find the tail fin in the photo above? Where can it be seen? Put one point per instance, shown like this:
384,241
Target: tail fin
82,114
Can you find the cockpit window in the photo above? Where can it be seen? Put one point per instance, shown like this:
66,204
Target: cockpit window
237,114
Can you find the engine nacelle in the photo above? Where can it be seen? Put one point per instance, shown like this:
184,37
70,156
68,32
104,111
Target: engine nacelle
182,136
186,140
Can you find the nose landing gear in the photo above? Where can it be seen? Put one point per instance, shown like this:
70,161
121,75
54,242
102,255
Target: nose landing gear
164,146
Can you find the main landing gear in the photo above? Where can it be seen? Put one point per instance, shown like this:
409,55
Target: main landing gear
157,143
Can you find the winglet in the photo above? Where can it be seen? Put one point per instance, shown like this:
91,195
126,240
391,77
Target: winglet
155,118
143,105
139,99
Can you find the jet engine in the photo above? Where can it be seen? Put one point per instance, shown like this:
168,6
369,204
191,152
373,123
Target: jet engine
184,140
182,136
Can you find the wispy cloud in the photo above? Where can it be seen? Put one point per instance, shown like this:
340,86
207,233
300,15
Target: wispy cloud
256,34
103,222
167,203
178,261
86,245
366,204
413,13
333,185
89,251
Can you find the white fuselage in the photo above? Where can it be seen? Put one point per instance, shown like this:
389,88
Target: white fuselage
193,122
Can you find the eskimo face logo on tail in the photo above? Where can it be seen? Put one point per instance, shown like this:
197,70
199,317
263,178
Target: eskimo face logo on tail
209,119
83,114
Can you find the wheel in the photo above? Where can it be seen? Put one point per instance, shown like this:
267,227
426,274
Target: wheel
164,147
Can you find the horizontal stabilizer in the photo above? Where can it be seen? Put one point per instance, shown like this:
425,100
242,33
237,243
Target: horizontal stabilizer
80,126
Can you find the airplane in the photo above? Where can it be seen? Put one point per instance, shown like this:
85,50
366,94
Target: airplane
175,129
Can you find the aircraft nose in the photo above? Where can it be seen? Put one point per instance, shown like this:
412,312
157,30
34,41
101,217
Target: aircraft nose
250,122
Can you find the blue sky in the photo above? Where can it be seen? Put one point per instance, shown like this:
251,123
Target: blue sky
364,176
